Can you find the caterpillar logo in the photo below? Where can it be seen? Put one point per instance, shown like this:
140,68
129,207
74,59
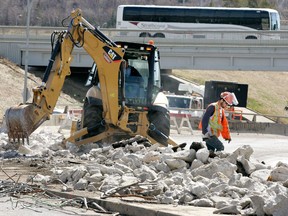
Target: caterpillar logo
110,55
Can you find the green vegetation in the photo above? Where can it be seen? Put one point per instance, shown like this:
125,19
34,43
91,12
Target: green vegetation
253,104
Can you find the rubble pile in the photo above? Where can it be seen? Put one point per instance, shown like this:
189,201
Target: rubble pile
233,183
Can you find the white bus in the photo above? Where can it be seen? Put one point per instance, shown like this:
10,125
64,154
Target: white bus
157,19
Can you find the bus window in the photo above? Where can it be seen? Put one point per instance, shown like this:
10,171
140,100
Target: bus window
265,23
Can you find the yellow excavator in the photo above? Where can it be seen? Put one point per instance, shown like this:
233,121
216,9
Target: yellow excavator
116,106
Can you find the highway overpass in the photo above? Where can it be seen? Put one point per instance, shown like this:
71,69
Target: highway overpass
184,51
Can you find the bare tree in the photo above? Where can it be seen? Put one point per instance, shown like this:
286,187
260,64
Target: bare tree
103,13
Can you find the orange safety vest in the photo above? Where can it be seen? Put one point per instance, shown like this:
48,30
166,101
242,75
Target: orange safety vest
217,124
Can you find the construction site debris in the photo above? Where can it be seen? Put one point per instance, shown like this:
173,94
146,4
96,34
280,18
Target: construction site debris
186,176
34,197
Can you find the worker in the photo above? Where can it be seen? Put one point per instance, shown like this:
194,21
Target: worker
130,70
214,122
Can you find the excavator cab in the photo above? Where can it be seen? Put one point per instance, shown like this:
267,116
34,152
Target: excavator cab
144,59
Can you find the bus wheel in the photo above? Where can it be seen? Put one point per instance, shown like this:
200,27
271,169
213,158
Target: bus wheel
159,35
92,117
145,34
159,120
251,37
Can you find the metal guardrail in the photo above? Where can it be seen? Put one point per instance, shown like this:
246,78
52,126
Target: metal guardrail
195,34
227,51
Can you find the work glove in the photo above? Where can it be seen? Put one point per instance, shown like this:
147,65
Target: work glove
229,140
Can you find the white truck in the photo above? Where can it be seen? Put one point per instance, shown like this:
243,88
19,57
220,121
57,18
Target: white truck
191,102
185,104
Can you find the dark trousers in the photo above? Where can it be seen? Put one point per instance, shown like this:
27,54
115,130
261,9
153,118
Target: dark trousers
214,144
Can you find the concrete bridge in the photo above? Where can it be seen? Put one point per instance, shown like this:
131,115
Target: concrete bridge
182,51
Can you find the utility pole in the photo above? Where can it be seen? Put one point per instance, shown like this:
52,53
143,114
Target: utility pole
25,91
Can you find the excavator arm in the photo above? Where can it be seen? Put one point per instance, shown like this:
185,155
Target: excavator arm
23,119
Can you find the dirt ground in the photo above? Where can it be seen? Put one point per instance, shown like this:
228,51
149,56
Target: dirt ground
12,85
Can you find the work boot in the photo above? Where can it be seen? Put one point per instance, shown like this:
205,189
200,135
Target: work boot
212,154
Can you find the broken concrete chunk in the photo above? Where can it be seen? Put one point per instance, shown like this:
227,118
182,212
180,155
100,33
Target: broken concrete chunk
109,170
111,181
175,163
202,203
133,161
196,163
220,165
250,184
202,155
198,189
232,209
96,152
186,155
97,177
39,178
177,178
261,175
92,188
151,156
123,168
277,206
162,166
81,184
62,153
166,198
145,173
246,151
66,175
248,167
279,173
186,198
116,154
78,173
285,183
220,178
258,203
281,164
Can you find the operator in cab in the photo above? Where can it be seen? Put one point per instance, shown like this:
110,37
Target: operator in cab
214,122
130,70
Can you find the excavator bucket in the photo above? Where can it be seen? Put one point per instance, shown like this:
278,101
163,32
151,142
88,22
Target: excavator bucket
21,122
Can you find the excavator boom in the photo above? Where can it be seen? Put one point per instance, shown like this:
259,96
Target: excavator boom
23,119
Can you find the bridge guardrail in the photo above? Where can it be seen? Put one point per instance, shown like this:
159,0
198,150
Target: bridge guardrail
189,52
